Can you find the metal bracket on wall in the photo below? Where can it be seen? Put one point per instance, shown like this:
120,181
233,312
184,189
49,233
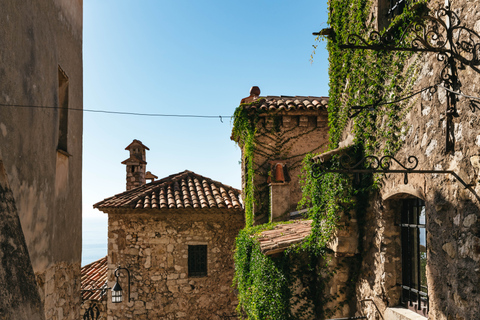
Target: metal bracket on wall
373,164
441,33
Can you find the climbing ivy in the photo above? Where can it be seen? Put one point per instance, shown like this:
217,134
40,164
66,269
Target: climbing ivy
244,129
266,285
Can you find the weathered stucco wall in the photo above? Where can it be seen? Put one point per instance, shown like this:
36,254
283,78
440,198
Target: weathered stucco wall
153,245
38,37
19,298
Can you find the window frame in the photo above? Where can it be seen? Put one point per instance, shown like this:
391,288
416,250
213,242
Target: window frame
414,292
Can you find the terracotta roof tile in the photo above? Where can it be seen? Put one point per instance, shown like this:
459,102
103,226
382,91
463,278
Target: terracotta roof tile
283,236
183,190
134,142
94,276
289,103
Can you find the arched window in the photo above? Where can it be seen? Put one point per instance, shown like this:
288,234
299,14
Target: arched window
414,254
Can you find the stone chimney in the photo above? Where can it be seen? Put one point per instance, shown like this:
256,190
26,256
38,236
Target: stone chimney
136,164
278,180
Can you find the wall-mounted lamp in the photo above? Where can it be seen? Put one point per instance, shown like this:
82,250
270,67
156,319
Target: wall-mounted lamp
117,289
328,33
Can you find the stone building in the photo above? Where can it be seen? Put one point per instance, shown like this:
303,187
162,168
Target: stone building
410,244
287,129
420,247
41,158
94,289
176,237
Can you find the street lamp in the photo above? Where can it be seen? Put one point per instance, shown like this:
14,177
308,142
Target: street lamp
117,289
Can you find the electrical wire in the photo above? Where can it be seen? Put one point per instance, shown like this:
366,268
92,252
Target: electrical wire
121,112
394,101
359,108
459,93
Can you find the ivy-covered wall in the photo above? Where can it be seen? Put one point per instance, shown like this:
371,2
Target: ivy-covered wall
416,125
283,135
399,123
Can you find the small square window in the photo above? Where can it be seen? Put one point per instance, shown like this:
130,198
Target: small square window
197,261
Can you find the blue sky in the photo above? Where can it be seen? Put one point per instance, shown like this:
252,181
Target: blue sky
184,57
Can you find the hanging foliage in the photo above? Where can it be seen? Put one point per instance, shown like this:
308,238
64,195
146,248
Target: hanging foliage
266,285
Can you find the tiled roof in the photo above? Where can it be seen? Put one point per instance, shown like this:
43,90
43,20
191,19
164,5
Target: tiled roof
94,276
288,103
135,142
133,160
182,190
284,236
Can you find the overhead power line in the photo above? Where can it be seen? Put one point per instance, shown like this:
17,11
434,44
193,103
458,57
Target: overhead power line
122,112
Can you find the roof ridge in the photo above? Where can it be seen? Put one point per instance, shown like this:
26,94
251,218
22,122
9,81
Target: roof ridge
139,197
96,261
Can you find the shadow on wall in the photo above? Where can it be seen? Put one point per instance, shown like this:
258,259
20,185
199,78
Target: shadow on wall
453,271
19,297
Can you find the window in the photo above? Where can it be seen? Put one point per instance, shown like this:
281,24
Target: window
197,261
63,110
396,8
414,255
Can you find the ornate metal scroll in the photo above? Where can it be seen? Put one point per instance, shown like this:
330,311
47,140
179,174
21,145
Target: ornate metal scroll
93,311
441,33
385,164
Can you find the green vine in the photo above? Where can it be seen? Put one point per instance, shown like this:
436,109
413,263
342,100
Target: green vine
267,285
262,281
244,130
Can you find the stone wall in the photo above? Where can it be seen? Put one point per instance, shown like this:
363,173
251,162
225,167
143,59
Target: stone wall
452,212
153,245
299,133
58,290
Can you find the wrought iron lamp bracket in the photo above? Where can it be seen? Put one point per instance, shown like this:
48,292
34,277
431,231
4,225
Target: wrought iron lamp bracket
442,33
383,165
93,311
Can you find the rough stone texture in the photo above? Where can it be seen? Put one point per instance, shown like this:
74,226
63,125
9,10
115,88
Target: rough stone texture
38,37
153,245
58,287
288,136
452,212
19,298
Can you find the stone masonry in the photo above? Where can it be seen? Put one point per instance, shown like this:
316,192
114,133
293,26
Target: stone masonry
287,130
154,247
452,211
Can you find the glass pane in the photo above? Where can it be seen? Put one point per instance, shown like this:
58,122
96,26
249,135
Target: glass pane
423,259
415,214
414,256
404,217
422,216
